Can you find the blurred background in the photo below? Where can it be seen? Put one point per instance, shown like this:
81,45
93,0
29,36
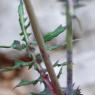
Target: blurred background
50,14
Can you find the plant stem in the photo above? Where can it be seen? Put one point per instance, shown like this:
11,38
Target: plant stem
41,44
69,37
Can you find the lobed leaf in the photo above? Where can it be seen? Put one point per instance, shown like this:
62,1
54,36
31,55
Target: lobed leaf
27,82
18,64
22,21
51,35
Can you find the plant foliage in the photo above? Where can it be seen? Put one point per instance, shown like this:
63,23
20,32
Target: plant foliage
36,59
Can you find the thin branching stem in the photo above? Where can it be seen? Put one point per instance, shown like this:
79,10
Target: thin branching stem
41,44
69,14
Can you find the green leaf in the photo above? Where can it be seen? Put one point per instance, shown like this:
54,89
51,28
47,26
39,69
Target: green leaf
30,65
21,33
20,8
51,35
19,64
45,92
27,82
36,66
23,46
3,46
24,39
58,65
22,22
6,69
25,19
53,47
23,83
28,34
60,73
27,25
16,45
37,80
38,58
77,91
